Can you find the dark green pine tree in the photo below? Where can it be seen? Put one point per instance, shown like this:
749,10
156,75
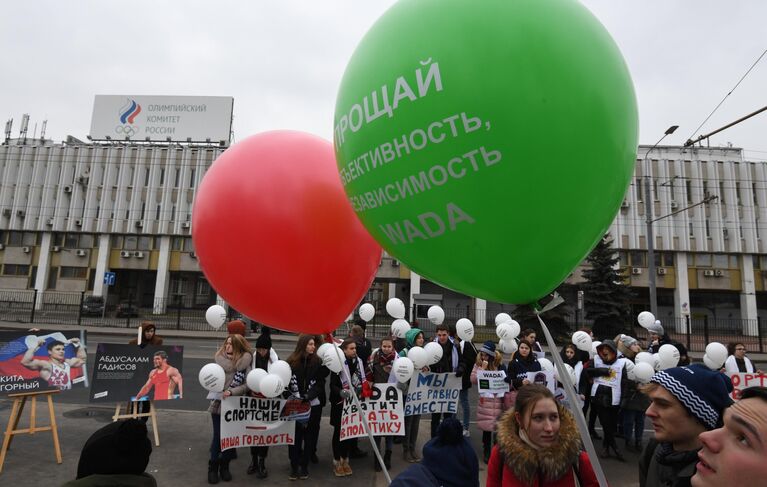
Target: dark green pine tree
606,297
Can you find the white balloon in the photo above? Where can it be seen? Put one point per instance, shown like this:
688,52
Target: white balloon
332,360
546,364
582,341
504,331
646,319
436,315
717,354
271,385
367,311
645,357
656,361
594,346
669,356
710,363
215,316
282,370
571,373
502,318
507,346
464,329
323,349
211,377
396,308
434,353
643,372
399,328
630,370
418,356
254,379
515,329
403,369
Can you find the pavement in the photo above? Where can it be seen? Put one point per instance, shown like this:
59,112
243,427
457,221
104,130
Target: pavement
181,458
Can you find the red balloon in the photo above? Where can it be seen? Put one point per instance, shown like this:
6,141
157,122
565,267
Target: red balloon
276,236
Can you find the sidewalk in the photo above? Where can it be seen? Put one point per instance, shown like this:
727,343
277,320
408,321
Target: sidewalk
181,458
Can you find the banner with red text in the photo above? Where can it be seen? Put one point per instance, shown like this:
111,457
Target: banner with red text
742,381
253,421
384,412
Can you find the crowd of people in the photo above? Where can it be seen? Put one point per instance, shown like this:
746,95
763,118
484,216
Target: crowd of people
529,436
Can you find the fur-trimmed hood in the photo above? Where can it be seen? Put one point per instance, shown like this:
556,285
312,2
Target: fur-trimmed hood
550,463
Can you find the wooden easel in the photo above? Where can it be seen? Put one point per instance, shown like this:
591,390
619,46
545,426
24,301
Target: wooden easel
19,400
134,406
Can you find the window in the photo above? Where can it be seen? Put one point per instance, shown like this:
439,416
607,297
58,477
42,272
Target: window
143,211
71,241
86,241
162,176
722,199
15,270
203,288
638,258
705,189
655,189
146,176
188,246
755,258
668,259
131,242
178,242
144,243
117,241
708,229
734,262
753,192
73,272
638,186
157,213
191,178
177,178
14,239
692,231
688,187
173,214
624,258
703,260
29,238
737,194
721,261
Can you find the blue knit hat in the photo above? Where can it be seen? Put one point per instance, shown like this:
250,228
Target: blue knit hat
450,457
488,347
703,392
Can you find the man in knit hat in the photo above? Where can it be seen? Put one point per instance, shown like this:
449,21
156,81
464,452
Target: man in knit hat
686,401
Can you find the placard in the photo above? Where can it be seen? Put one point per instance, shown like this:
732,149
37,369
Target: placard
544,378
253,421
384,412
433,393
742,381
492,382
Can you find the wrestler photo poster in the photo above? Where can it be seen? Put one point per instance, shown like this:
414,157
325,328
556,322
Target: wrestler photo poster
32,361
131,373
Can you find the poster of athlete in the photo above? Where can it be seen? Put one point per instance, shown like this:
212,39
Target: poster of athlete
41,360
131,373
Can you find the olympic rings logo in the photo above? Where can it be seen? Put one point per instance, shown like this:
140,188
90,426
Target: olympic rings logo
127,130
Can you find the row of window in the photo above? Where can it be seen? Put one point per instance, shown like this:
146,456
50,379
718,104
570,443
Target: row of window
64,272
640,188
89,241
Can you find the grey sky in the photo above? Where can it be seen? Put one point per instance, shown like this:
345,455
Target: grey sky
282,60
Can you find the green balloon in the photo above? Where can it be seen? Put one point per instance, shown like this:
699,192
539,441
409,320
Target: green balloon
487,145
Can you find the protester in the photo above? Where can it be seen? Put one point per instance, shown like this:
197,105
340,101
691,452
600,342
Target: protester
490,406
448,461
610,381
364,350
523,362
351,380
529,335
685,402
115,455
737,361
469,357
323,397
450,362
307,381
262,358
633,401
538,445
149,336
235,357
414,337
569,355
658,337
381,363
735,453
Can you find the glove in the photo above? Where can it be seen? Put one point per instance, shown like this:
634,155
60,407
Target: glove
367,390
346,393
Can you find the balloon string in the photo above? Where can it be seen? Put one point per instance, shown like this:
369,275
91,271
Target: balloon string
356,401
580,420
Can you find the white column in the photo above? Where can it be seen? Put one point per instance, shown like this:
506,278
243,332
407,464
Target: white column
748,298
102,266
415,288
43,268
480,312
220,301
681,291
163,276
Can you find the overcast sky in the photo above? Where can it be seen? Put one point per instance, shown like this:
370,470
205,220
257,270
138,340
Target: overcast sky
282,60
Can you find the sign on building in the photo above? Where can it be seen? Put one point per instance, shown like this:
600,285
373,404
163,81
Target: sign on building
162,118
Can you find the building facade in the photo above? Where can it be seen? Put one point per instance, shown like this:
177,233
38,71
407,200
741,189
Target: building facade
69,212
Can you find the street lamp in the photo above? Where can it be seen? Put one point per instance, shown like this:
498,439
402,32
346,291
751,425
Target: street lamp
648,220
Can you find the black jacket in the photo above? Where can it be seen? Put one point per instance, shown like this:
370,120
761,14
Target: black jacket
604,394
446,362
309,379
468,357
519,367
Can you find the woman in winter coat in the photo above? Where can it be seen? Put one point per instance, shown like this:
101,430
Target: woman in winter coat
236,358
353,379
490,405
413,338
307,381
381,363
538,445
523,362
633,402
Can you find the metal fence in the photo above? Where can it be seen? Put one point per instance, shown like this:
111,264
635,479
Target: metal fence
188,313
